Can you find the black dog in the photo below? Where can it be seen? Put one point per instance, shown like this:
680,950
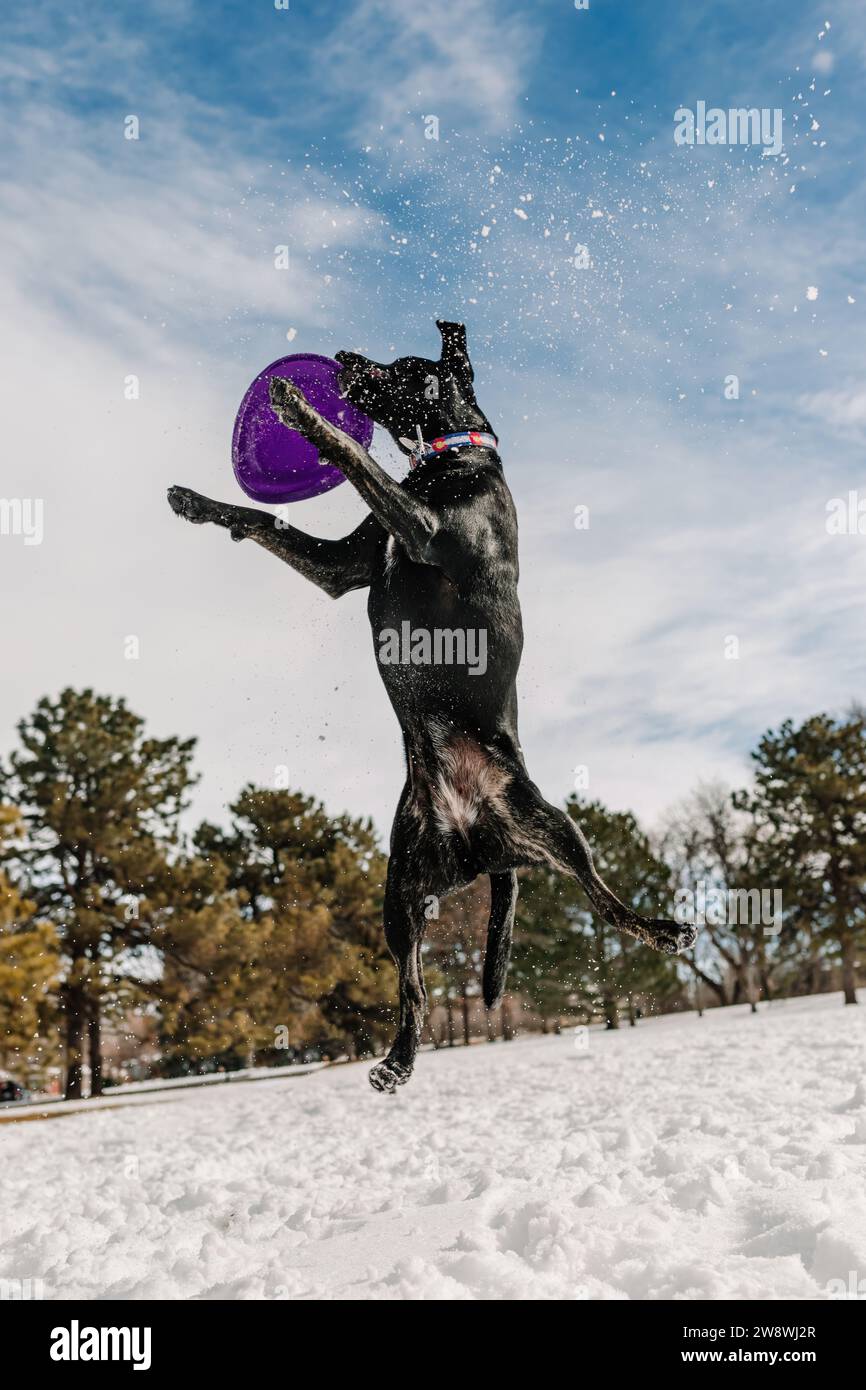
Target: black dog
438,553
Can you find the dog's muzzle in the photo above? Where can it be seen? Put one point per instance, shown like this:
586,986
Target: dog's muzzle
354,376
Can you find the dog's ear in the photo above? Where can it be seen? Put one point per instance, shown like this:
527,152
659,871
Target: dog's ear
455,354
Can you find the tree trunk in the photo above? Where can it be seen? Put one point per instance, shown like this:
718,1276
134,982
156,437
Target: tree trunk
94,1035
849,972
747,986
716,986
74,1010
507,1031
449,1010
611,1012
467,1034
631,1014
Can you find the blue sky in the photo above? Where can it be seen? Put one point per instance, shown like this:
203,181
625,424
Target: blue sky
306,128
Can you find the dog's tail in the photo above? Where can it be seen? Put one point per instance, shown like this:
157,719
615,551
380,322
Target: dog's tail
503,900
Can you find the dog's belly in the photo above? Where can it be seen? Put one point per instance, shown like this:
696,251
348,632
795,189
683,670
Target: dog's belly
460,793
466,783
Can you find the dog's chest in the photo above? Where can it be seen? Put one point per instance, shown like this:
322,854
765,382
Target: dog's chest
390,559
411,589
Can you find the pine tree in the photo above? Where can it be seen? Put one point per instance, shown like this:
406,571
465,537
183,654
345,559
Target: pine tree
552,958
29,968
312,885
100,802
809,805
566,957
200,987
454,952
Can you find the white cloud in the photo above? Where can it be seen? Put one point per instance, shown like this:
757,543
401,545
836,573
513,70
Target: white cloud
464,60
842,408
149,243
235,647
690,542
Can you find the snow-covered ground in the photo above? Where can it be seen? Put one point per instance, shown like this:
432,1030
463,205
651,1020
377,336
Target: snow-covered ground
686,1158
141,1092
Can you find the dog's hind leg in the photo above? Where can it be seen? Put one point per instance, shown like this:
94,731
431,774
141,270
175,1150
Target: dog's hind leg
503,900
405,895
542,834
413,877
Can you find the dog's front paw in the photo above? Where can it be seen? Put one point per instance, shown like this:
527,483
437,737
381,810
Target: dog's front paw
287,401
388,1075
671,937
190,505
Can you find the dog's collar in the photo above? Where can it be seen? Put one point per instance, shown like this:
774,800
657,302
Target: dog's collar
461,439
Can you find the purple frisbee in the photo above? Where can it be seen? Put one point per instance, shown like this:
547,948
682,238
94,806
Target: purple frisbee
275,464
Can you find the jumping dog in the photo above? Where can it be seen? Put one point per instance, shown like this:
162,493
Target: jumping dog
437,551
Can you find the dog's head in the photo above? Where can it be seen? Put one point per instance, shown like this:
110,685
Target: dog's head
413,392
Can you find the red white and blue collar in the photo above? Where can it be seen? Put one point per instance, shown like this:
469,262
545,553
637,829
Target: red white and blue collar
474,439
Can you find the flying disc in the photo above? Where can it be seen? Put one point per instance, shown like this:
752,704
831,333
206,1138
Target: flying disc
275,464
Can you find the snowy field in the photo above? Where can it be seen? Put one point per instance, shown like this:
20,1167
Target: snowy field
688,1158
